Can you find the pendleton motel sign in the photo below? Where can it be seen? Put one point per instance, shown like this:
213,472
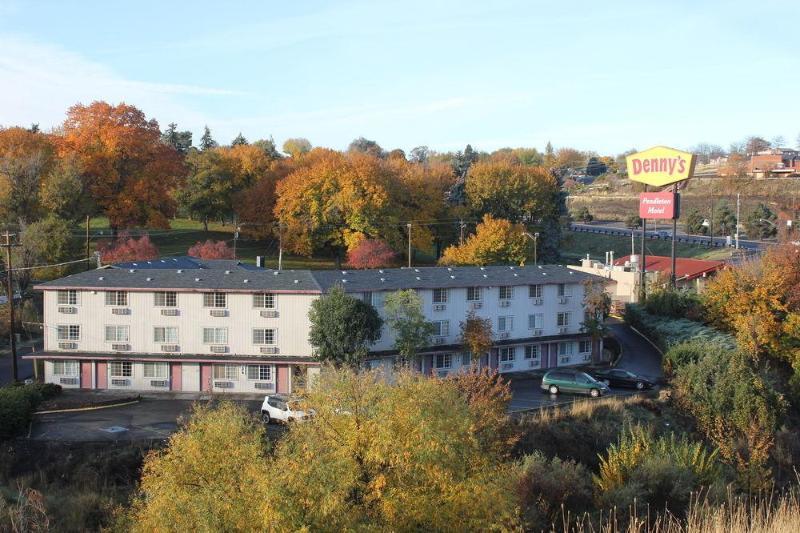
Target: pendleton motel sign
659,167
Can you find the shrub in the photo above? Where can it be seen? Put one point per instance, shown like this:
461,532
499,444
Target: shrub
667,332
48,391
211,250
127,248
16,407
371,253
548,487
674,304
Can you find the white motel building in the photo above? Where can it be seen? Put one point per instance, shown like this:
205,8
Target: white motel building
186,324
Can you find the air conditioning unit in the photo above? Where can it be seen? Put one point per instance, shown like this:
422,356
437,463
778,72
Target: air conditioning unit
120,347
503,335
223,384
477,305
506,366
564,360
170,312
218,312
538,301
121,382
219,349
67,345
268,313
170,348
505,303
68,310
264,386
160,383
587,357
120,311
537,333
270,350
563,329
533,363
438,340
441,373
439,307
69,381
563,300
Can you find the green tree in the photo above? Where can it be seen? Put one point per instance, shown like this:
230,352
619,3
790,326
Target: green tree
549,155
180,140
63,192
296,147
633,221
239,140
342,328
583,214
45,241
403,310
724,218
366,146
757,224
207,142
209,188
383,456
212,476
268,147
595,167
694,223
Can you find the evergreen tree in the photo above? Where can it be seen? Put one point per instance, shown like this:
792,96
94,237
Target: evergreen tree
549,155
758,223
180,140
207,142
239,140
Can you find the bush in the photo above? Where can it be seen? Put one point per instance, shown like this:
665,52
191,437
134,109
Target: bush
667,332
17,403
674,304
48,391
547,486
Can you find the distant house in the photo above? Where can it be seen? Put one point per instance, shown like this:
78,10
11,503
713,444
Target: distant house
779,162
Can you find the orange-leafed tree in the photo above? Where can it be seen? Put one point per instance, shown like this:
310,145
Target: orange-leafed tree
25,158
371,253
496,241
211,250
130,173
476,335
126,248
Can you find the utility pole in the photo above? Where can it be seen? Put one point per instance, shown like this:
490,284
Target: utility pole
673,279
10,290
235,235
280,247
88,255
738,205
643,263
535,248
461,232
409,244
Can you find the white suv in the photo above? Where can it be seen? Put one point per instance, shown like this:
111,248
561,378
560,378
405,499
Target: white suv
283,408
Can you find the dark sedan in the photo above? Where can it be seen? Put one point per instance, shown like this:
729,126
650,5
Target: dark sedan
616,377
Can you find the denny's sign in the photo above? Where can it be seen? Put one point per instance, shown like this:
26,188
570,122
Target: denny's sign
660,166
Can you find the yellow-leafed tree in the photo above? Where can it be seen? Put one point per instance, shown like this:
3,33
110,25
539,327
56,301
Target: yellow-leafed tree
496,241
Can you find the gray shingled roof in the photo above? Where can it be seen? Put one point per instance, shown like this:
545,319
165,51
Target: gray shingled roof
229,275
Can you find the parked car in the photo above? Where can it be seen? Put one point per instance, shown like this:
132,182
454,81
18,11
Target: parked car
568,380
282,408
617,377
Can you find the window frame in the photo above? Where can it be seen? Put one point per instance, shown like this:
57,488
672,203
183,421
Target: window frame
72,297
535,291
70,367
166,339
215,329
563,319
440,296
508,289
581,345
507,354
446,360
155,365
227,369
508,323
532,320
472,292
530,349
258,371
274,340
211,300
565,289
117,328
69,332
565,352
113,298
265,297
166,295
126,368
443,328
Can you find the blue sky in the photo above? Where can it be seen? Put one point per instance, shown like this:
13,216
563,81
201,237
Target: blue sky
603,76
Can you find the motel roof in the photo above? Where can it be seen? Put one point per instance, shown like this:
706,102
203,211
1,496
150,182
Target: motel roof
193,275
685,268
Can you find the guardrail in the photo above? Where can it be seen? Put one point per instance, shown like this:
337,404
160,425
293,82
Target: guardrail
688,239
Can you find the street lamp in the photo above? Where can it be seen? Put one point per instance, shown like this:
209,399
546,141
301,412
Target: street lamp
535,238
708,224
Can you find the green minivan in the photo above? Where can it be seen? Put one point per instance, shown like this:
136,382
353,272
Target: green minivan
569,380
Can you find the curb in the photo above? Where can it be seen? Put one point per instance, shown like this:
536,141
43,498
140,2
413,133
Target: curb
92,408
642,335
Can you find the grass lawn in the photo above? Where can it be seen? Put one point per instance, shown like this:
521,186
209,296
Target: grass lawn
575,246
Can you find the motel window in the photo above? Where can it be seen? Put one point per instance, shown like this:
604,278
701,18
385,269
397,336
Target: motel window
564,289
166,334
264,301
585,347
69,297
566,348
65,368
121,369
506,292
214,299
264,336
71,332
226,372
466,359
259,372
440,296
165,299
117,334
563,319
505,323
441,328
535,321
532,351
156,370
443,360
535,291
474,294
367,297
117,298
215,335
507,354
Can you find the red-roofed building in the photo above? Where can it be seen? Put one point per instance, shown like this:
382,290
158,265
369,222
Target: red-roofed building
689,273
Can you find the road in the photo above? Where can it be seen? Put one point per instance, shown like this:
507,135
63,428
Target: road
618,228
24,369
157,419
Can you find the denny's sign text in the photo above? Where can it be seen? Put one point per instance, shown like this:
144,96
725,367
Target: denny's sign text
660,166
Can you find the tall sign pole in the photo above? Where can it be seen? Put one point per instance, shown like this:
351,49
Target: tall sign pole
660,167
10,291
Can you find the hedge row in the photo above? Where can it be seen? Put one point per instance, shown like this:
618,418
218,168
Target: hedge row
666,332
17,403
